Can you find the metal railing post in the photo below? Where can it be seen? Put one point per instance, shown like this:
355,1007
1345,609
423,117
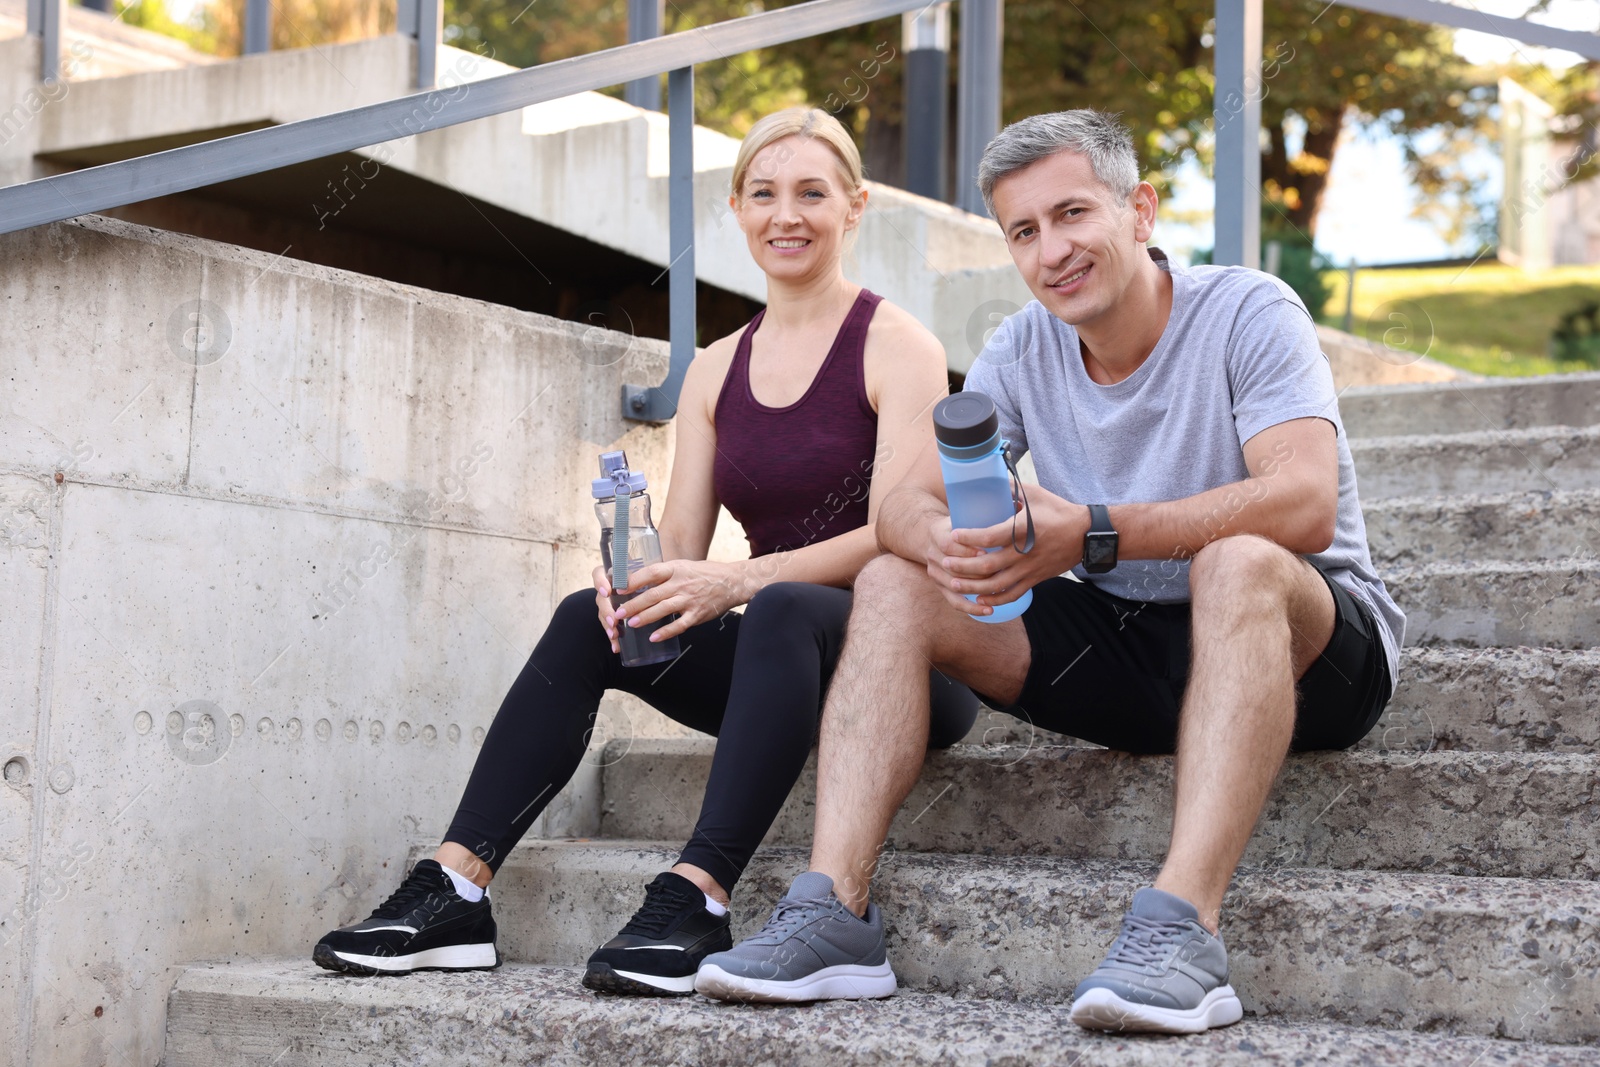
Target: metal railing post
660,403
257,26
645,19
977,94
430,28
45,18
925,39
1236,116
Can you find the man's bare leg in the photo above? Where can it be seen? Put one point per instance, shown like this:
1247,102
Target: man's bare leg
875,723
1261,617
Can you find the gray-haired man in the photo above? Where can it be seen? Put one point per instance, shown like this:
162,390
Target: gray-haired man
1195,477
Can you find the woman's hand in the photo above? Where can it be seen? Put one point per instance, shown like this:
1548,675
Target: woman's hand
698,590
602,601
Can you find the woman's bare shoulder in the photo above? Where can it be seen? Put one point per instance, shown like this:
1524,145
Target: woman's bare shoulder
896,337
709,369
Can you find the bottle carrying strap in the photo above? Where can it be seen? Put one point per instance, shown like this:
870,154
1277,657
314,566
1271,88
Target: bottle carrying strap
1018,495
619,540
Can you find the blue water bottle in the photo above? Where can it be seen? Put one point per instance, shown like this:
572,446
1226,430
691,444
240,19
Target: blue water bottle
978,477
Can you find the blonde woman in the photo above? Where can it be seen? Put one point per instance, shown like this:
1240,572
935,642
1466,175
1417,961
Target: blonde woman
799,424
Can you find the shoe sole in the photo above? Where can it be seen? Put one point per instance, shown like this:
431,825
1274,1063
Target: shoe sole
447,958
604,978
1101,1009
846,981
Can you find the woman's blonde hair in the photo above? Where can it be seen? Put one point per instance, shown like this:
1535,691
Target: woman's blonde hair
802,122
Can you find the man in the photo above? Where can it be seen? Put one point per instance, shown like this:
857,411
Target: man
1194,475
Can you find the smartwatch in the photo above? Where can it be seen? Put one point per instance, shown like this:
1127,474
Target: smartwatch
1100,543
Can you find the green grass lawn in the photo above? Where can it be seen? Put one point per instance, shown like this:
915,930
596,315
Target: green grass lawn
1488,319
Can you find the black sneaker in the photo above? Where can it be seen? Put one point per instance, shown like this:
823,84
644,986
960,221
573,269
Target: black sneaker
425,925
658,952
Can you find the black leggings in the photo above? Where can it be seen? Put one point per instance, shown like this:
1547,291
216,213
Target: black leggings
754,681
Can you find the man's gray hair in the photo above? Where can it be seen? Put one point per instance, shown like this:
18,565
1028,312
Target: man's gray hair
1099,137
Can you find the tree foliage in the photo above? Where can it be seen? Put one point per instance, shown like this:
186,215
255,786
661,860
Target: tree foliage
1326,68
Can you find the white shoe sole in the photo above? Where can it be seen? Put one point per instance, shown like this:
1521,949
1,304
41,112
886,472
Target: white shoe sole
658,981
1101,1009
846,981
450,957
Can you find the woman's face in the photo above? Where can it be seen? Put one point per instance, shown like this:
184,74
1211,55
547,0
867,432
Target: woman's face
795,207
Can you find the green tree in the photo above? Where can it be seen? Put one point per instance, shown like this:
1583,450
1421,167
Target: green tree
1326,68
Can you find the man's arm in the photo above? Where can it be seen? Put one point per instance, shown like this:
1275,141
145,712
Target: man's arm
914,524
1290,498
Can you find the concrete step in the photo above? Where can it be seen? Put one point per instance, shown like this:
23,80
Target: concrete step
1488,956
1479,699
1494,461
289,1014
1503,526
1463,813
1466,407
1552,604
1493,699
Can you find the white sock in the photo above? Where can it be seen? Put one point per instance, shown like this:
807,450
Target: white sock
714,906
464,888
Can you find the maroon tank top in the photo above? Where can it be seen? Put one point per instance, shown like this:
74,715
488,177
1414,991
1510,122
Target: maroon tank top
799,474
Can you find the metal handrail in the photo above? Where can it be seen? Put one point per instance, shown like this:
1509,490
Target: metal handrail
177,170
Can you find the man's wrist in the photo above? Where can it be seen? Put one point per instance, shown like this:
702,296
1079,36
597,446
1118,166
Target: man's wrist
1100,541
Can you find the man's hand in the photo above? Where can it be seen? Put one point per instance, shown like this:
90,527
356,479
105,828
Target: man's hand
698,590
962,566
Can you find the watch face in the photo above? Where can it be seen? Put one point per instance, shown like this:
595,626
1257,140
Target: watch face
1099,552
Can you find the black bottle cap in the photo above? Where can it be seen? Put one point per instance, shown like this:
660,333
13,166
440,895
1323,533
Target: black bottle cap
965,420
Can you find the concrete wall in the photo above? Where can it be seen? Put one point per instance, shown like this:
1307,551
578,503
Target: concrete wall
274,540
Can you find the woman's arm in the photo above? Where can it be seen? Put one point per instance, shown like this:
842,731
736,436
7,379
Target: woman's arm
689,516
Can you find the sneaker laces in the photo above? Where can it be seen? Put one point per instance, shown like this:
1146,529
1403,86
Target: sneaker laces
787,918
663,902
412,891
1145,943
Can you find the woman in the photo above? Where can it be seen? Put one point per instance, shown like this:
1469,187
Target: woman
800,424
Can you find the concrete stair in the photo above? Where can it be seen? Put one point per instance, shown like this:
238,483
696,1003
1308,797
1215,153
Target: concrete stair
1427,897
1400,810
1537,525
284,1013
1418,951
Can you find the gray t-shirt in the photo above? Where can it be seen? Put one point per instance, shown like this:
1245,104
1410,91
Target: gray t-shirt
1239,354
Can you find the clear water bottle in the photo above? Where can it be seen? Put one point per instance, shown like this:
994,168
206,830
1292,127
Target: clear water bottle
977,476
628,541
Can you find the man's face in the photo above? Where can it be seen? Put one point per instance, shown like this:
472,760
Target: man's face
1076,243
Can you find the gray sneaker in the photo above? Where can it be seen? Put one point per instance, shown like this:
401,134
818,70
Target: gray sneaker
813,948
1165,974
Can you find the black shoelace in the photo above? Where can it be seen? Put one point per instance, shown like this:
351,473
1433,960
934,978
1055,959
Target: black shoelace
663,902
412,891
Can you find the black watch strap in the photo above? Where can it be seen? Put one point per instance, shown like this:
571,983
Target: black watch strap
1100,543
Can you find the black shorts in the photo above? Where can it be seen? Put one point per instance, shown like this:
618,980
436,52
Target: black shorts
1112,671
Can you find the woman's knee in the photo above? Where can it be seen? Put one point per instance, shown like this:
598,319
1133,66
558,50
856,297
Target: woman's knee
795,604
574,625
579,604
